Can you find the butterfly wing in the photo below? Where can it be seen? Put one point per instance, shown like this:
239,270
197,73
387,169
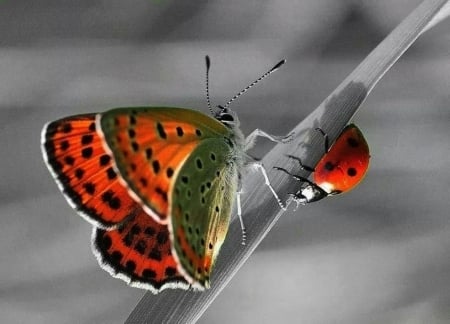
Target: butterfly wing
202,199
149,146
139,252
75,156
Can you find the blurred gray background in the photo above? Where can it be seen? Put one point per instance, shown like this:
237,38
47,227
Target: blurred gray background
379,254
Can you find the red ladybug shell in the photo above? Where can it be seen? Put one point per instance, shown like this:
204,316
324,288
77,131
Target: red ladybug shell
345,164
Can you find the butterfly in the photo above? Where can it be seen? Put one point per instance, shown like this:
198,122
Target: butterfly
157,183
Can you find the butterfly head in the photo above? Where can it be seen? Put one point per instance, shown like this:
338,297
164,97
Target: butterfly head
227,117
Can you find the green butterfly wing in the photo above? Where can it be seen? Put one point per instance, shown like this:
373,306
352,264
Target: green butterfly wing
202,199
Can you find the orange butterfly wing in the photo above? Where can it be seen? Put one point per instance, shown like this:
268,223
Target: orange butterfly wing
134,247
84,172
150,145
139,252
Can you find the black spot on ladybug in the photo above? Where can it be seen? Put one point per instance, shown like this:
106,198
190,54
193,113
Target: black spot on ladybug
198,132
148,153
156,166
143,182
79,172
64,145
161,131
106,242
130,265
329,166
92,127
104,159
351,172
352,142
133,167
199,163
87,152
185,179
149,273
89,187
117,256
111,173
155,254
140,246
170,271
135,146
67,128
169,172
69,160
87,139
180,131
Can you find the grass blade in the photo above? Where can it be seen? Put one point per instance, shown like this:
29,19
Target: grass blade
260,209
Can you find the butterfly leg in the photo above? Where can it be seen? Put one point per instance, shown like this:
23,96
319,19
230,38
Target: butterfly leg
250,140
260,166
239,213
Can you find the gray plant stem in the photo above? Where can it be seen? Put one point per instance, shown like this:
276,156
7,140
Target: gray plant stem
260,209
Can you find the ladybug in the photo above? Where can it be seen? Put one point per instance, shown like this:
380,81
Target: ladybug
341,168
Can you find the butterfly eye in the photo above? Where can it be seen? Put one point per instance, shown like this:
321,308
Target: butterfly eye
226,118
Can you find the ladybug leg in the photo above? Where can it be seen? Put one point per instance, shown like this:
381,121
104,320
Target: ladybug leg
325,137
302,166
296,177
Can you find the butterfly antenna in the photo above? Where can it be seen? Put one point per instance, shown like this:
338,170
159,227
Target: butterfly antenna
276,67
208,101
